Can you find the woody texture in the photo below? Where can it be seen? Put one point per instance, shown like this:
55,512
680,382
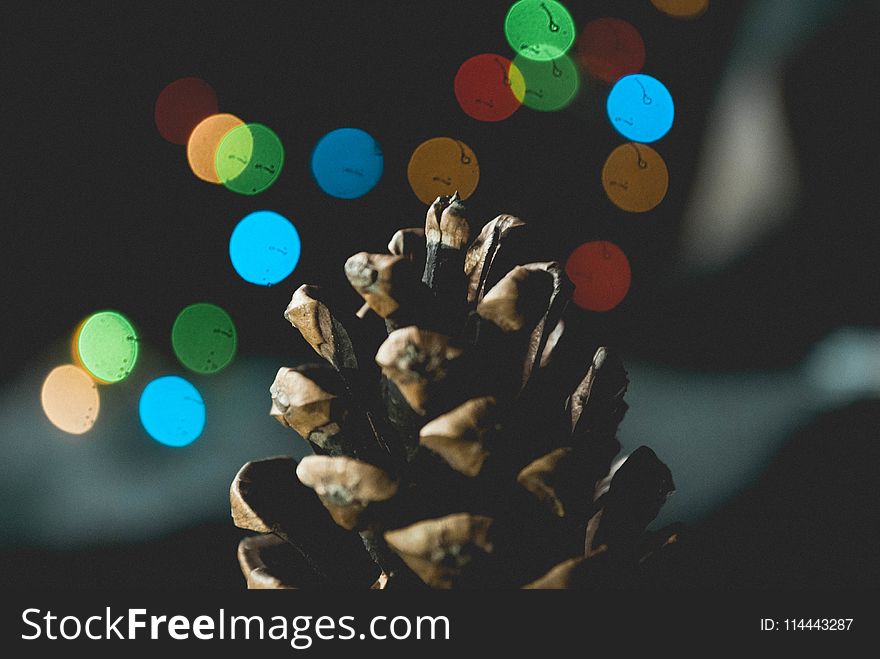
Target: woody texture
474,447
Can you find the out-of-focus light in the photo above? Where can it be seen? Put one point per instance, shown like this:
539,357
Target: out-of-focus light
635,177
846,364
539,29
489,87
550,85
264,248
204,338
347,163
107,345
640,108
440,166
748,178
201,148
70,399
601,274
682,8
249,159
181,106
610,48
74,346
172,411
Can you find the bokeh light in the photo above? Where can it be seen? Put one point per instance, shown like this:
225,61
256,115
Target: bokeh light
249,159
204,338
70,399
682,8
610,48
347,163
181,106
550,85
441,166
489,87
635,177
640,108
201,148
74,346
539,29
107,345
172,411
601,274
264,248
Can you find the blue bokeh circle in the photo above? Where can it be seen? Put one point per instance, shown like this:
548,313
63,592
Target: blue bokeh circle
264,248
172,411
347,163
640,108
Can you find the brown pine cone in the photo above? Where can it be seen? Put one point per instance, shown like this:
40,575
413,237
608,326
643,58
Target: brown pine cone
479,454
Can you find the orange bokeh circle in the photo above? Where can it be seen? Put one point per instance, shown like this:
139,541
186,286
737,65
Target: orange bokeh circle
201,148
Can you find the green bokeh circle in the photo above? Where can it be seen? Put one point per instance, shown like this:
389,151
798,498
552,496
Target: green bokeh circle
551,85
249,159
108,346
204,338
539,29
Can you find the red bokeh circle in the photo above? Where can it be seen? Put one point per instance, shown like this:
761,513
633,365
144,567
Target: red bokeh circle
181,106
610,48
601,274
483,88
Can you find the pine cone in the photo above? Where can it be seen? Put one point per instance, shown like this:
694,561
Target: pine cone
481,452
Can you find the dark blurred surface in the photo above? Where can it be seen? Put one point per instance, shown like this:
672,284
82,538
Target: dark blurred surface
810,522
99,212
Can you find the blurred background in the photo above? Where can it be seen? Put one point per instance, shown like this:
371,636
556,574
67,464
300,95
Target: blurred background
751,330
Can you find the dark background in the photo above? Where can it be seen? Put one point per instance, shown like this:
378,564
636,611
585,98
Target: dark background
99,212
